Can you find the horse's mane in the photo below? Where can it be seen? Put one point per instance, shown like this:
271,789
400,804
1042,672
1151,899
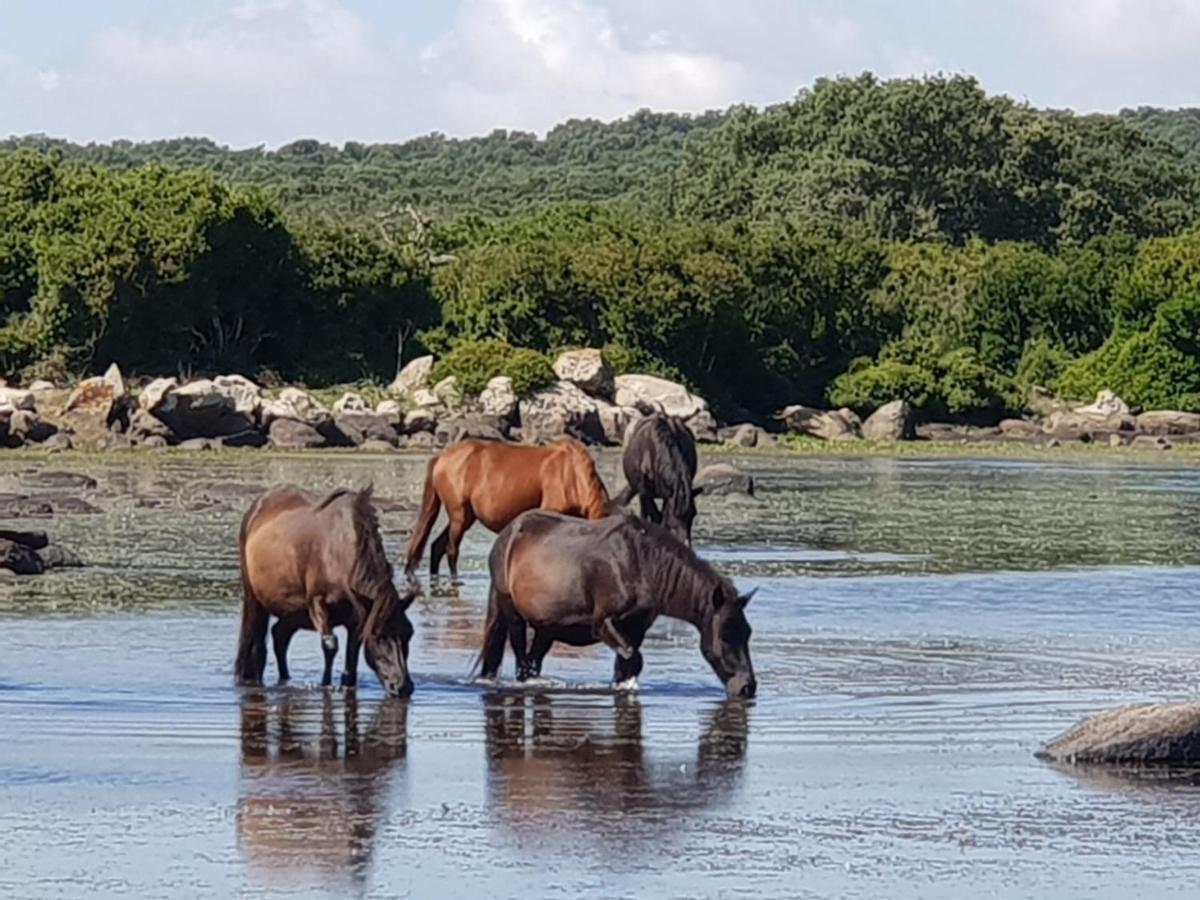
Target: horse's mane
372,575
675,461
684,580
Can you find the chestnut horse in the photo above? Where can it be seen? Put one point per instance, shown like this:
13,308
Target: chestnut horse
318,563
492,483
583,582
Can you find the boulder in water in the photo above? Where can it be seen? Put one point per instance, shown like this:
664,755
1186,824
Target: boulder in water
1163,734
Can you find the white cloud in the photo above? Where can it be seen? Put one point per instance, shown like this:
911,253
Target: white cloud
270,71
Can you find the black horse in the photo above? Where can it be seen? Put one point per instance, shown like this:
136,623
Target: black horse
660,464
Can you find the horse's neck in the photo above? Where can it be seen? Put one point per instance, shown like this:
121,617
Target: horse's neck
676,588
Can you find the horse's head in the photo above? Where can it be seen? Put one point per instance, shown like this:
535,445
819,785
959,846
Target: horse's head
725,641
389,632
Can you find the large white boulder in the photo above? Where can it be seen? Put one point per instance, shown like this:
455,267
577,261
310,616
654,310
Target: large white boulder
414,376
498,398
827,424
297,405
588,370
650,393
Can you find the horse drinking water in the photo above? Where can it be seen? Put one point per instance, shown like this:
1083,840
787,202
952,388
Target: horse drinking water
492,483
660,464
581,582
319,563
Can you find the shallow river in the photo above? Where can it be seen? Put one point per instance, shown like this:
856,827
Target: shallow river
920,628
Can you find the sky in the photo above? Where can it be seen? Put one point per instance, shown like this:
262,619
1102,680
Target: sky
265,72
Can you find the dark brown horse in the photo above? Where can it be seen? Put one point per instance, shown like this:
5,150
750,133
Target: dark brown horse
581,582
319,563
660,464
493,483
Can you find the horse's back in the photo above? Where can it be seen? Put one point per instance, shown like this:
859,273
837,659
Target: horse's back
661,452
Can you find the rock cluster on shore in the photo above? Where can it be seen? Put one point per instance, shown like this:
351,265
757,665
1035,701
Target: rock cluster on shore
588,401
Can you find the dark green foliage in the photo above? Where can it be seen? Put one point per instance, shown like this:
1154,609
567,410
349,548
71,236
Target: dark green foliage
869,241
474,363
868,386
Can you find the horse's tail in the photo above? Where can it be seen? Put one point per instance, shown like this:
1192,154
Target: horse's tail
622,499
251,652
431,505
495,631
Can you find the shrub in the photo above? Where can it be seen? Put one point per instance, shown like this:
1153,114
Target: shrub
969,389
1042,363
866,388
475,363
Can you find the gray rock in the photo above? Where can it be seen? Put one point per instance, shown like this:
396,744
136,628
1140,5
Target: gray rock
373,446
413,377
157,397
615,421
251,437
480,427
289,434
298,406
830,425
1165,421
350,402
891,422
19,559
19,506
1151,442
56,556
198,443
40,386
26,427
421,440
357,428
420,420
1165,734
390,410
448,392
649,393
154,442
58,442
202,409
144,425
245,394
703,427
746,435
499,399
722,478
34,540
15,398
1019,429
562,408
588,370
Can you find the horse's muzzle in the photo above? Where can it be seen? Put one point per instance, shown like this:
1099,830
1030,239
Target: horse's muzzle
401,689
741,688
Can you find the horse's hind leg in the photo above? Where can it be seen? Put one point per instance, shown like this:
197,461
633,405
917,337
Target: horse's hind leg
516,640
252,642
281,636
437,550
458,527
542,642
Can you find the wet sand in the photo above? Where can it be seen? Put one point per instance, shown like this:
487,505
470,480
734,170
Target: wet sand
921,627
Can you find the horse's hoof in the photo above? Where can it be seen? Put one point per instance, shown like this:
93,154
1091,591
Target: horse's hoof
629,684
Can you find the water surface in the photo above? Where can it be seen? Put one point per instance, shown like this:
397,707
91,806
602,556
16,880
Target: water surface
921,626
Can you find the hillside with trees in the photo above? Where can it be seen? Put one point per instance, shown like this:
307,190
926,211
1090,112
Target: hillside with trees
865,241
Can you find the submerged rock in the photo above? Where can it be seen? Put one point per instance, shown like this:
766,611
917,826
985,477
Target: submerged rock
1165,734
20,559
723,478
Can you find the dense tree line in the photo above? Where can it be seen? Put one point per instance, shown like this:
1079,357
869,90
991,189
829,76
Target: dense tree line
866,241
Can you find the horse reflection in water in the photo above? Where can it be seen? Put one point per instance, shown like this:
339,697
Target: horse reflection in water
312,795
581,768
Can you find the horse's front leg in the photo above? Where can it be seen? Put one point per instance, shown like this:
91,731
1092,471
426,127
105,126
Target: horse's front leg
604,628
329,642
353,645
626,671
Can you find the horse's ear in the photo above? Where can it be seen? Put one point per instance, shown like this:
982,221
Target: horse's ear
697,490
744,600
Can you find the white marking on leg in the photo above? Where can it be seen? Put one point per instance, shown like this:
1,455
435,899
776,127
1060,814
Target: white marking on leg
629,684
